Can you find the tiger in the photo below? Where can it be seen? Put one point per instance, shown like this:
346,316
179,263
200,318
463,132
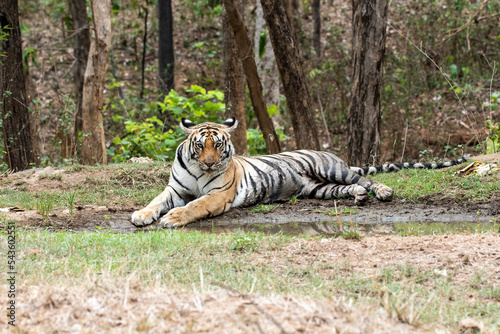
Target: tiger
207,178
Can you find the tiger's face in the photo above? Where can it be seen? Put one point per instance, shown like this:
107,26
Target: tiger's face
209,143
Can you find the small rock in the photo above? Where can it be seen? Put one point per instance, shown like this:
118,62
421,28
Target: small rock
470,326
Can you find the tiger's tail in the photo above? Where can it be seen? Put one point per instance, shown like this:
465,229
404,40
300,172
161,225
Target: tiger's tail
387,168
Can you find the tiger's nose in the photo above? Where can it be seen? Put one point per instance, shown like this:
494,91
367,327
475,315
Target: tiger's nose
209,164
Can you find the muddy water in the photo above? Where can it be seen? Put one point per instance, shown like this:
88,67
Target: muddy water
333,229
363,223
310,217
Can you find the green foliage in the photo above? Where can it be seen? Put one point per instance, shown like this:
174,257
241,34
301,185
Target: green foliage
493,139
205,8
256,143
262,42
494,101
149,138
45,204
200,104
4,36
71,203
146,139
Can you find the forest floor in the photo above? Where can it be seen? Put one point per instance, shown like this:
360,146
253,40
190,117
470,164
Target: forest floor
457,240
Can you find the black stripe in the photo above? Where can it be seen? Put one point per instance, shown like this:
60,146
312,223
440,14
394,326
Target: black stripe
178,155
213,178
177,180
263,192
312,172
175,191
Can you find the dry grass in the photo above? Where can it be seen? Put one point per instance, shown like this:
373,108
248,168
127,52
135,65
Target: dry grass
129,309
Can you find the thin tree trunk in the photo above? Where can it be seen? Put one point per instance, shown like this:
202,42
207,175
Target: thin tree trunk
234,85
93,143
81,46
18,143
316,34
368,54
165,47
144,44
292,75
266,65
254,86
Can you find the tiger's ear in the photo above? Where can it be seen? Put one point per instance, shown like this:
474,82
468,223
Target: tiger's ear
186,125
231,124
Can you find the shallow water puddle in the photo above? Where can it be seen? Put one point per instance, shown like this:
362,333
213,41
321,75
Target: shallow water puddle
333,229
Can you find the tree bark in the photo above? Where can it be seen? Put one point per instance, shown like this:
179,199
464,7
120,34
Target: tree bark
234,85
93,143
292,75
368,54
316,34
165,47
81,46
254,86
15,114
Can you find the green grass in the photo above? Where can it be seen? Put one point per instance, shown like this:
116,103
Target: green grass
114,183
346,211
264,207
415,185
244,262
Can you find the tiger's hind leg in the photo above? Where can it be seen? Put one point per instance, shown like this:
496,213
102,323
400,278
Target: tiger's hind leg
341,174
323,190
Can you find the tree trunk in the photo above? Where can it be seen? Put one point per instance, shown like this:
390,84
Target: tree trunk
18,144
165,47
316,34
81,46
234,85
254,86
368,54
292,75
266,65
93,143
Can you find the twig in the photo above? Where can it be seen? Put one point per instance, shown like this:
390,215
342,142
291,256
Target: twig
404,145
324,120
465,26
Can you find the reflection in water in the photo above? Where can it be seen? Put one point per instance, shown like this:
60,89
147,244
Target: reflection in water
332,229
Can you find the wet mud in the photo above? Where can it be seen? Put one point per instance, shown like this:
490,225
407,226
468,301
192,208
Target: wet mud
314,217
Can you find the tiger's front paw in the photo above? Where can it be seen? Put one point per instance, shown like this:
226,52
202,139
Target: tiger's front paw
175,218
360,195
145,216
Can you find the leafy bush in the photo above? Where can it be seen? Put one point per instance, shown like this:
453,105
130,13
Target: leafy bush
493,140
150,139
256,143
208,106
146,139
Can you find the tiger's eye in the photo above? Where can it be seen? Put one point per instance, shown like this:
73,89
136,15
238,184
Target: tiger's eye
199,145
218,144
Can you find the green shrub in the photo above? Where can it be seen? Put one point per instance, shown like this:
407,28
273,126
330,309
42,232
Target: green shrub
201,105
146,139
